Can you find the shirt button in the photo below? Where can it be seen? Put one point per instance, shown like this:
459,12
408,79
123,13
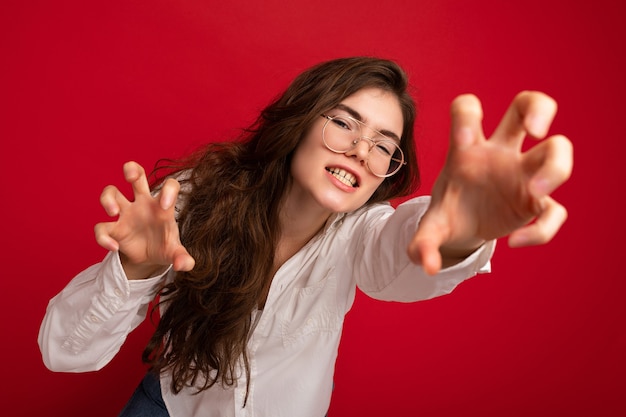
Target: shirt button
118,292
94,319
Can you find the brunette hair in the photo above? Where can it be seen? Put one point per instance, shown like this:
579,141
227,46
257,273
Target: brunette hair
229,221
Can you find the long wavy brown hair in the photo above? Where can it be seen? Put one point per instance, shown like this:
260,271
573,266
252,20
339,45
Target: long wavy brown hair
230,220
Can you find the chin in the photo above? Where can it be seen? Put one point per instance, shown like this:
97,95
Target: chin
340,205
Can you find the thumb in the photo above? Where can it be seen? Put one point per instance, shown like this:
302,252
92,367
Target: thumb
424,247
182,260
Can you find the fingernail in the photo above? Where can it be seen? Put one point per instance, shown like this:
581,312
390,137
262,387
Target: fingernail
537,125
518,240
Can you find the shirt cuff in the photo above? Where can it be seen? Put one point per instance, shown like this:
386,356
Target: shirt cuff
478,262
131,287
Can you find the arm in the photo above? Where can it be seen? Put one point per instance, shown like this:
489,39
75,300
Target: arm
383,268
487,189
86,324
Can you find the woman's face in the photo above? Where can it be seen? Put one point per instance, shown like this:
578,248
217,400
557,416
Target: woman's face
317,171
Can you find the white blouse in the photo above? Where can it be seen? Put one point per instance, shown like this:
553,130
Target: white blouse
293,347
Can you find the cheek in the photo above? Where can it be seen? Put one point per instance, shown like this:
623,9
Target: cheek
308,151
303,164
371,185
301,159
374,186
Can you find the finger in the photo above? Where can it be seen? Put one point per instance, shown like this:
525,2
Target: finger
543,229
112,200
426,253
169,193
182,260
103,237
531,112
424,248
466,127
466,122
549,164
136,176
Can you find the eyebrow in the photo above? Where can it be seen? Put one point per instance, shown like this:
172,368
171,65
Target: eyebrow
355,114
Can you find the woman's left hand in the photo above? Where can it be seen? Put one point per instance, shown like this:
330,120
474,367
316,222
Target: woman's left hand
489,188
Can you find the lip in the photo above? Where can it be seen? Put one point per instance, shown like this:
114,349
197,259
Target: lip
338,183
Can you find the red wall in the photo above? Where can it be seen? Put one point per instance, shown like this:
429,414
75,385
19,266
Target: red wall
86,85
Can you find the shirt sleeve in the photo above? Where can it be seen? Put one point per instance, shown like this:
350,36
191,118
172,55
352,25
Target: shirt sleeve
383,269
88,321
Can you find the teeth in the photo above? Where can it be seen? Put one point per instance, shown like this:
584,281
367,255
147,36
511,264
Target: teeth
343,176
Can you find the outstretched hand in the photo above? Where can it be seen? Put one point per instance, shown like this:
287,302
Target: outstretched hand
145,232
489,188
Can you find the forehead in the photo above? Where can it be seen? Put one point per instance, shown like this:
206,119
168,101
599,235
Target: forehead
379,109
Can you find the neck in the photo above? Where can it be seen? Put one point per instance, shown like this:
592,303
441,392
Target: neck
300,219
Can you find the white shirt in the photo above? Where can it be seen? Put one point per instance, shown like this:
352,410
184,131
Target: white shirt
293,348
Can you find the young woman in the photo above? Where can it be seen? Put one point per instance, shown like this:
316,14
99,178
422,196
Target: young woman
256,246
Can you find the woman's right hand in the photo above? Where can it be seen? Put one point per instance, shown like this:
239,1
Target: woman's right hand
145,232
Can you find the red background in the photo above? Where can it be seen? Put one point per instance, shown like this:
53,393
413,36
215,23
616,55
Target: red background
86,85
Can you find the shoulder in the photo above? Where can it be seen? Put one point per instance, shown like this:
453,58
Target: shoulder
378,215
382,210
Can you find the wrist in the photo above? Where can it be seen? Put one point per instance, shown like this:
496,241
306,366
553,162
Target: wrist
453,254
137,271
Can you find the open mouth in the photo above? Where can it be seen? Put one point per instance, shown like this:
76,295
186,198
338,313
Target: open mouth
344,176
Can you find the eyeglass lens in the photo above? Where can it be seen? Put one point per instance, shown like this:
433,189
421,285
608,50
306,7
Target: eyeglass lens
341,134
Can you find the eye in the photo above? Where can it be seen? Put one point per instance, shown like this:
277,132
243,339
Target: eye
345,124
386,148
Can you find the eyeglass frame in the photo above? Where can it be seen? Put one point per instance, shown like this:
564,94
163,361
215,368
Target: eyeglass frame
373,143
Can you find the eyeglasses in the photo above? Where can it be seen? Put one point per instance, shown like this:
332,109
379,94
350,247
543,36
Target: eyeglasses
343,133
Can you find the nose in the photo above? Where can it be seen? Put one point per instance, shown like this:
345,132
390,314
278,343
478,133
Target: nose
361,149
